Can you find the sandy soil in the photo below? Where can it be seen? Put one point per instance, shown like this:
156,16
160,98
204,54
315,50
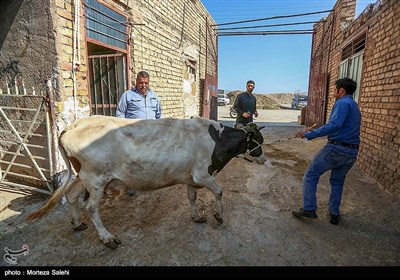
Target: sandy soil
258,230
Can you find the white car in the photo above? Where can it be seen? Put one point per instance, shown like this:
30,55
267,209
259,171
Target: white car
223,100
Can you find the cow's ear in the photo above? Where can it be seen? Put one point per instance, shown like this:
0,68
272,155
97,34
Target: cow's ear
213,133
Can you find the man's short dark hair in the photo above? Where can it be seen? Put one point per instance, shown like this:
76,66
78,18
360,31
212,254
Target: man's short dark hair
348,84
251,82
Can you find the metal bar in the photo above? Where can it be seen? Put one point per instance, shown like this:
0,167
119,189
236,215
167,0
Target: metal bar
109,84
94,85
21,133
17,108
13,95
22,121
19,186
101,86
23,165
28,145
117,93
30,177
21,155
106,55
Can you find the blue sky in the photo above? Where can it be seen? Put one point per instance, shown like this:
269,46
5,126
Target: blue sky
277,63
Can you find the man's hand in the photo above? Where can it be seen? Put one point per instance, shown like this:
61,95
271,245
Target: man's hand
299,134
246,115
256,114
310,128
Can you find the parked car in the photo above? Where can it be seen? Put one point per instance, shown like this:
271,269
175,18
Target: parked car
223,100
299,101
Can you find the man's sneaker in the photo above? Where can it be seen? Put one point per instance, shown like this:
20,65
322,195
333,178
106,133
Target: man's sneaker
334,219
304,214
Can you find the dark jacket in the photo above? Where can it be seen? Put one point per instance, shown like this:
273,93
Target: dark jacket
245,102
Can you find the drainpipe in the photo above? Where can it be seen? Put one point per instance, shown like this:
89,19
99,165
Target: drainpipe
76,60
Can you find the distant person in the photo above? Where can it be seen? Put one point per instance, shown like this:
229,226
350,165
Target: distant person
245,106
140,102
338,155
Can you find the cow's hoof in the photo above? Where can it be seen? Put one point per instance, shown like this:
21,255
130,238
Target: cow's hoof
112,244
219,220
116,240
81,227
200,220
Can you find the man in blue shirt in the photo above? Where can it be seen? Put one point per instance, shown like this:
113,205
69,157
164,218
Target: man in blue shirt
338,155
140,102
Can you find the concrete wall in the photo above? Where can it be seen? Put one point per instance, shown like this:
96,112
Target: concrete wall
27,43
379,100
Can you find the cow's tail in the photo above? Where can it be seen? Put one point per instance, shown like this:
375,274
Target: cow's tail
57,195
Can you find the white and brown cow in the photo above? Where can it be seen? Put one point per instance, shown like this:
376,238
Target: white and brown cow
147,155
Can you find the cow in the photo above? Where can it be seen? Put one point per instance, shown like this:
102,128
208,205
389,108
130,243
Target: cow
147,155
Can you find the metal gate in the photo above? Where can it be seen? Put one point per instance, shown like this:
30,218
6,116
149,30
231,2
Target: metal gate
26,158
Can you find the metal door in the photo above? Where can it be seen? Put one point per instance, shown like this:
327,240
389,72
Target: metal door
317,101
26,160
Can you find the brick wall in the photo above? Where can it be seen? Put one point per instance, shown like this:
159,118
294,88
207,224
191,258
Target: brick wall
172,30
379,100
163,35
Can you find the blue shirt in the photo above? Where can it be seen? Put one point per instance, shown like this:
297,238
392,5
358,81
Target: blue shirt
344,122
133,105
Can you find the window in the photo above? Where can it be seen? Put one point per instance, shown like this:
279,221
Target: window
105,25
352,59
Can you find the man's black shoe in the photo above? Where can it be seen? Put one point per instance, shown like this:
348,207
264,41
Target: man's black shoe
334,219
131,192
304,214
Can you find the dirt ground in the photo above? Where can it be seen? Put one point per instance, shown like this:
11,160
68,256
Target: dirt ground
258,230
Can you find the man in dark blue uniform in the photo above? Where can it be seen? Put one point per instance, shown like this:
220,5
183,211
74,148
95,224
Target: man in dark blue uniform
338,155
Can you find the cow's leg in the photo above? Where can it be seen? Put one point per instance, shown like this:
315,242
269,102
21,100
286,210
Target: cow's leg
92,207
72,197
209,183
192,195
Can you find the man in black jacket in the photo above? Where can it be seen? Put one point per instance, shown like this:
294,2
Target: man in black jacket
245,106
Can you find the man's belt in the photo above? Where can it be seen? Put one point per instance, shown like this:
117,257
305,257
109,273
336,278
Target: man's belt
335,142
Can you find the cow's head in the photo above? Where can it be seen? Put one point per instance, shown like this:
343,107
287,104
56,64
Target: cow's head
254,142
230,142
